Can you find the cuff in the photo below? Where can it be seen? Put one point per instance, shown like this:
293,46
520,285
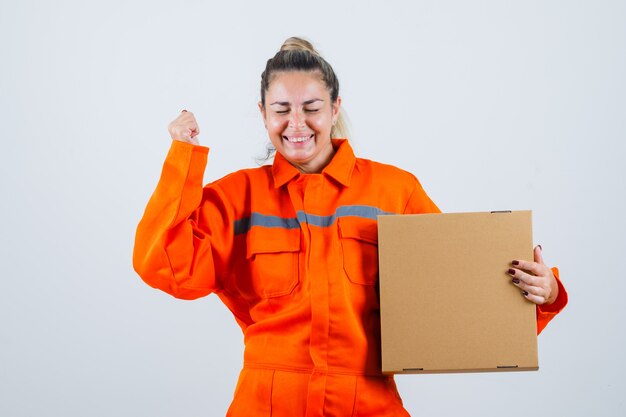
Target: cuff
180,146
545,313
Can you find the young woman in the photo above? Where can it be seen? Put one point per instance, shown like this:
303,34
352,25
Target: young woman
291,249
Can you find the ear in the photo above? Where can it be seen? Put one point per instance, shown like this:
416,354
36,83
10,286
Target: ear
262,110
336,107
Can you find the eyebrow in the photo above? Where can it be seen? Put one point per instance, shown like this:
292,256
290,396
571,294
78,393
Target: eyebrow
286,103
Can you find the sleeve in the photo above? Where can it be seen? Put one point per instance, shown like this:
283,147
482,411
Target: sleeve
545,313
419,202
184,239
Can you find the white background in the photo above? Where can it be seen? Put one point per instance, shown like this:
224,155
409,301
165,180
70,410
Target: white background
492,104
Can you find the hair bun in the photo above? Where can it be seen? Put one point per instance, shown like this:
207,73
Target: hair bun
298,44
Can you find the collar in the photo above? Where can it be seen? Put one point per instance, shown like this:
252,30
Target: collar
339,168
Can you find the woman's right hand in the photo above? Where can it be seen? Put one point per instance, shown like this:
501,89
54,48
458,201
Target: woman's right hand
184,128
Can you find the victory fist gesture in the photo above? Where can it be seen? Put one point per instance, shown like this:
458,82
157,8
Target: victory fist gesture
184,128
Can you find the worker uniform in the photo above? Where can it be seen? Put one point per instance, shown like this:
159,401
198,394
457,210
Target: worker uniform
294,258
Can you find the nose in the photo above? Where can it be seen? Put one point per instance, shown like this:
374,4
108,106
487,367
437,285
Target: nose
296,120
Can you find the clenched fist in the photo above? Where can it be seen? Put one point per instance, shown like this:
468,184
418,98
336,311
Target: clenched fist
184,128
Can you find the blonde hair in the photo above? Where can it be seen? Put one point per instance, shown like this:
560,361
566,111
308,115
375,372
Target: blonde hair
298,54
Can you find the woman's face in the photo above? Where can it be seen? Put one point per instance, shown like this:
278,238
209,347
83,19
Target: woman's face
299,116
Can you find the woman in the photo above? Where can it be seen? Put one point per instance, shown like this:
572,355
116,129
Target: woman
291,249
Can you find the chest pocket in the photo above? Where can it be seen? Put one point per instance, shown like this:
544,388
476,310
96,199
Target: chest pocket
273,255
359,243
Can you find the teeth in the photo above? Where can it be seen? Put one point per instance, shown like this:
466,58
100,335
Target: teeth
298,139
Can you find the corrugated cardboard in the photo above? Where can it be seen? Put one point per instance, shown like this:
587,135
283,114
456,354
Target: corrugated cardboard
447,303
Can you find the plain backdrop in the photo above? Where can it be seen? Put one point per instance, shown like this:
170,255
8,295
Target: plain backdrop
492,104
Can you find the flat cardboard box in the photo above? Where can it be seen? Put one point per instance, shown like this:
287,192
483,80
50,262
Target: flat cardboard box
447,303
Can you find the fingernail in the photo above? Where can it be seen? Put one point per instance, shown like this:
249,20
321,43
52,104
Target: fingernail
515,262
525,293
540,248
511,271
515,280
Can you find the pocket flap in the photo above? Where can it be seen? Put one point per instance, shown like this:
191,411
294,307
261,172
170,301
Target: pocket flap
358,228
272,240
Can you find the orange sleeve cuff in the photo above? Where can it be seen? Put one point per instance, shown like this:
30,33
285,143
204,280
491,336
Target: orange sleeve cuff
179,145
545,313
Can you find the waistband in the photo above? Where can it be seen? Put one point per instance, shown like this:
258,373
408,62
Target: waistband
313,370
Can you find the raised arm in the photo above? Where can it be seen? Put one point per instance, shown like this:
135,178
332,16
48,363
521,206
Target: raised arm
184,239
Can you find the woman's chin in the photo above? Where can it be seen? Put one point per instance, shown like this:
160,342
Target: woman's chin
300,151
307,155
298,157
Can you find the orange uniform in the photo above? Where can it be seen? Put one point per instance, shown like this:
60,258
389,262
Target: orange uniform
294,258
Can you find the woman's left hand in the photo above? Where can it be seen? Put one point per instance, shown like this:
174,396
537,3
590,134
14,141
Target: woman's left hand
535,279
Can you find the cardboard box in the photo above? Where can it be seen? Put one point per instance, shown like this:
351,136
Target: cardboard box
447,303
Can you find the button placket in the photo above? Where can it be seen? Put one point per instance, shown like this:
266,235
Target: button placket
318,279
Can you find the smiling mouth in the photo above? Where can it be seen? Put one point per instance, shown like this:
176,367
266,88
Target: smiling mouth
298,139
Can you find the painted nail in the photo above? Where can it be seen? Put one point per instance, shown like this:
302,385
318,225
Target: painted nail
515,262
515,280
511,271
525,293
540,248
